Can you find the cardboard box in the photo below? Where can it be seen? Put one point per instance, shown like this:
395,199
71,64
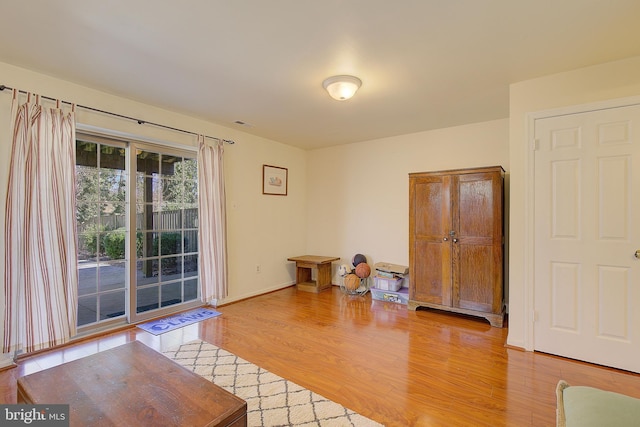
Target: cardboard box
395,269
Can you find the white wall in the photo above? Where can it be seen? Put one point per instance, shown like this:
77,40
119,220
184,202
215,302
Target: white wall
587,85
263,230
345,199
359,193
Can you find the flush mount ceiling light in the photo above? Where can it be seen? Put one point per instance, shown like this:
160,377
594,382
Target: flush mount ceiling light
342,87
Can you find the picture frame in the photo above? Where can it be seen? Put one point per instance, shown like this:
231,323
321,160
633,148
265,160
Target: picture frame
275,180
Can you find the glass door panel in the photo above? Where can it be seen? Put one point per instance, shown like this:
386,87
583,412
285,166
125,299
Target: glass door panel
166,211
101,196
125,276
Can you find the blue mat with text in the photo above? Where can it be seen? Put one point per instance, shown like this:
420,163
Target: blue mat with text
166,324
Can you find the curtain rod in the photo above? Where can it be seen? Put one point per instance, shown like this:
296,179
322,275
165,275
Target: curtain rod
140,122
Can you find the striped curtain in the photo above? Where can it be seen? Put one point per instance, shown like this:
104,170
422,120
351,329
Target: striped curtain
40,283
212,238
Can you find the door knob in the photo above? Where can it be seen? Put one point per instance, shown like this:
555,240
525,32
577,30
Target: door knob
455,240
637,254
446,239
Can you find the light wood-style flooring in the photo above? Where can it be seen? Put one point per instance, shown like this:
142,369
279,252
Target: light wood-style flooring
398,367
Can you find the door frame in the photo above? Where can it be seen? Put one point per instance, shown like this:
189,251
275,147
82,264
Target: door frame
529,199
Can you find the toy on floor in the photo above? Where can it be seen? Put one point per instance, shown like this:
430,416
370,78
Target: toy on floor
343,270
355,281
358,259
363,270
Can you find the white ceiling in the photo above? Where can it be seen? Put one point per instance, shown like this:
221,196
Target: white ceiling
424,64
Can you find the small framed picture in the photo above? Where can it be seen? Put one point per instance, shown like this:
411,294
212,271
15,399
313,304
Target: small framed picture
274,180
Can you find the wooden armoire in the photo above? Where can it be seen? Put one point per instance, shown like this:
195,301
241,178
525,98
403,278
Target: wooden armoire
456,242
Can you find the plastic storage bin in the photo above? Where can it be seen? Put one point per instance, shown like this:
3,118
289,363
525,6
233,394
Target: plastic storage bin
401,296
388,284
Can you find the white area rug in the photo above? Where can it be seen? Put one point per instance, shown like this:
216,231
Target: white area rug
271,400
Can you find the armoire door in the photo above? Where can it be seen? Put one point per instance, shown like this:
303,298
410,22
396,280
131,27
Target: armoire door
429,246
587,232
477,242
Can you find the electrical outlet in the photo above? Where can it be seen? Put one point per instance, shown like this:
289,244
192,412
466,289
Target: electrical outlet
257,268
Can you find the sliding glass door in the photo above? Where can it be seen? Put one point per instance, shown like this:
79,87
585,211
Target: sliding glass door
101,200
166,216
137,219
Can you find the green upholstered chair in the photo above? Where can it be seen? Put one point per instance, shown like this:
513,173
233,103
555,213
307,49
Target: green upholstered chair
587,406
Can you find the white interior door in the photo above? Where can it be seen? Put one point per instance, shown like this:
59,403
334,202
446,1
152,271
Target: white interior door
587,230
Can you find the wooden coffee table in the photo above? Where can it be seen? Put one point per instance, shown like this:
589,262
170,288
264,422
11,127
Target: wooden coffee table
304,266
132,385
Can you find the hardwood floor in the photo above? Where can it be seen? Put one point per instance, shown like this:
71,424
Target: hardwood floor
398,367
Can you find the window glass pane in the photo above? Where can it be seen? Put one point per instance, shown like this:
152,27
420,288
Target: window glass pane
87,184
171,294
88,244
191,217
190,289
144,217
148,189
172,192
147,299
190,176
87,277
169,168
170,243
114,219
109,213
112,185
190,241
113,244
190,265
147,244
86,216
171,268
147,162
169,219
112,158
148,217
147,272
86,154
112,275
112,305
87,310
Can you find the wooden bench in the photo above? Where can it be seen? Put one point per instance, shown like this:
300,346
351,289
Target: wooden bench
306,264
